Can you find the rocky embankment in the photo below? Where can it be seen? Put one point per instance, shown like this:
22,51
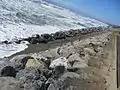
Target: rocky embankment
45,38
54,69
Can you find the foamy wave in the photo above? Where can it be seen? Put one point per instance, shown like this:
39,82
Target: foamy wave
7,50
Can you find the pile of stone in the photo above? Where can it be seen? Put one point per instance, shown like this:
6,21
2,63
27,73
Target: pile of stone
53,69
36,72
44,38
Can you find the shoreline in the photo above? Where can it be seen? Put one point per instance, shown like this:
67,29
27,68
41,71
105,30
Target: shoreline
46,40
52,44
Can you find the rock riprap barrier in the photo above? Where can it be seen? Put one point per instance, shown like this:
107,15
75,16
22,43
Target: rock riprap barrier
53,69
45,38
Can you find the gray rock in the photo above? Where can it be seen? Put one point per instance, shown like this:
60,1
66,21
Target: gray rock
47,73
52,87
59,35
8,71
34,40
79,65
9,83
74,57
31,79
59,69
20,61
62,61
90,51
71,75
70,88
41,59
50,81
64,82
51,53
35,63
71,33
66,50
35,85
28,74
75,62
46,38
4,63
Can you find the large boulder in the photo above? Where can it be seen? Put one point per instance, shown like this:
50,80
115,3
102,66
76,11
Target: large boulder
66,50
42,59
51,53
9,83
90,51
59,35
34,85
53,87
31,78
70,88
30,73
71,75
34,63
62,61
74,57
64,82
46,38
84,31
71,33
8,71
79,65
75,62
34,39
59,69
38,56
47,73
4,63
20,61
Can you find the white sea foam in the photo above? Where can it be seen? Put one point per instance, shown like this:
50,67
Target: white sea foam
24,18
7,50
